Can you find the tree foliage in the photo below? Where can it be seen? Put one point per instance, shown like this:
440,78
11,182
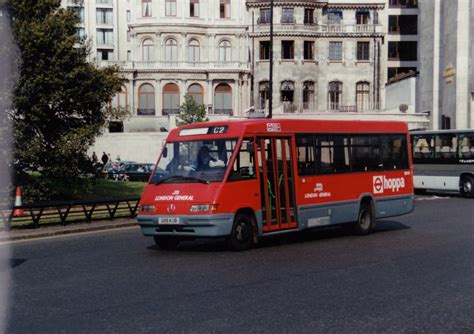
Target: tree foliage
191,112
60,98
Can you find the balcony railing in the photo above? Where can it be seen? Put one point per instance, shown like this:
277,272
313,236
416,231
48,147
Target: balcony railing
170,111
366,107
320,28
179,64
221,112
146,112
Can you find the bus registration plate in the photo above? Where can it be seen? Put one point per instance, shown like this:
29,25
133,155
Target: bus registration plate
168,220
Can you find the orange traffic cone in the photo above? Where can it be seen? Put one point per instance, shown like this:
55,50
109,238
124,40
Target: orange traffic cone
18,212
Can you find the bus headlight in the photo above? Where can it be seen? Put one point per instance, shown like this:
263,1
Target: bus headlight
203,208
147,208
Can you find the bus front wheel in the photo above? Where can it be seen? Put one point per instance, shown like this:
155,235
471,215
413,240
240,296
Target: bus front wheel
365,220
467,186
166,242
243,233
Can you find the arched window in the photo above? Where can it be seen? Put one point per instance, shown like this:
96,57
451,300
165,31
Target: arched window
264,94
225,53
287,93
195,90
146,8
308,95
193,51
171,51
335,95
223,99
120,100
148,50
170,99
362,96
146,100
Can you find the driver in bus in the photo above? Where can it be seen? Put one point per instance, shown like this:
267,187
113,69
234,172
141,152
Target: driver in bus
204,158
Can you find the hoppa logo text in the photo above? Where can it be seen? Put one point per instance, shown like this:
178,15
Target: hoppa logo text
382,183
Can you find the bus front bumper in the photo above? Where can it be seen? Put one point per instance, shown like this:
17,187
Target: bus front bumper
215,225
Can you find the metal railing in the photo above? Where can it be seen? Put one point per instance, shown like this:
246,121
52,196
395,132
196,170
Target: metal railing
69,211
221,65
323,28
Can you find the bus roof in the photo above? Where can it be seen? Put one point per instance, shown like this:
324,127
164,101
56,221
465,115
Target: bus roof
434,132
236,128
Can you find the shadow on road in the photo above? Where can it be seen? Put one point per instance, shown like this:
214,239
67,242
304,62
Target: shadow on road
323,233
16,262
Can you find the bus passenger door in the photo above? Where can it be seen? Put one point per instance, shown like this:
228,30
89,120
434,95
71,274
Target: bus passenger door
276,183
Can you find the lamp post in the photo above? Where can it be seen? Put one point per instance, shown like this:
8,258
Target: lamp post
270,80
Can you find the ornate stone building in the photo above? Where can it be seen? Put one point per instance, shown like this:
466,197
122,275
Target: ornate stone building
332,58
179,47
327,56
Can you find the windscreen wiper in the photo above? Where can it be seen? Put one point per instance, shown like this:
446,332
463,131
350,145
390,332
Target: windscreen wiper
181,177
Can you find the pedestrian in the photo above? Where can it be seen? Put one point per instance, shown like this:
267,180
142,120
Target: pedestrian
104,158
94,158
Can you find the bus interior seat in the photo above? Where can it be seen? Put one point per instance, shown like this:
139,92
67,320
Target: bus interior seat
417,152
465,151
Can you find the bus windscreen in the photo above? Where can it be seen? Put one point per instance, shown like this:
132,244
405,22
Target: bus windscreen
194,161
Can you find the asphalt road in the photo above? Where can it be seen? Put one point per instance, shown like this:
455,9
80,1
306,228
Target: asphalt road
414,274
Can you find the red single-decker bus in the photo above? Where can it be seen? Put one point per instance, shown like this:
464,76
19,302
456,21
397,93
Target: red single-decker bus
246,179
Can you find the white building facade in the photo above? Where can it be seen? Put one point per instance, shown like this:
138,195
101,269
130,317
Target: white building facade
332,59
181,47
446,87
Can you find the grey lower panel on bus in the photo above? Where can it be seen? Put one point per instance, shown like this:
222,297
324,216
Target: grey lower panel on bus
347,211
394,206
204,225
327,214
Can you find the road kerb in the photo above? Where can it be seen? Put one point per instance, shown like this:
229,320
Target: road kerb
45,232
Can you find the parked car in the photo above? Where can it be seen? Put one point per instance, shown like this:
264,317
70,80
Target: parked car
115,170
137,171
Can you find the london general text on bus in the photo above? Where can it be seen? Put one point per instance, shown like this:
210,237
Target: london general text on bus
246,179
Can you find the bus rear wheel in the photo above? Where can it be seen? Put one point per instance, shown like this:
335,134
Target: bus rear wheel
243,233
365,220
467,186
166,242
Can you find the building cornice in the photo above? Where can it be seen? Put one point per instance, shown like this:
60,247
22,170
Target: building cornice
185,71
315,4
379,6
279,3
187,26
319,34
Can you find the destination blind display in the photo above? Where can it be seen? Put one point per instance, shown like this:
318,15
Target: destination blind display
212,130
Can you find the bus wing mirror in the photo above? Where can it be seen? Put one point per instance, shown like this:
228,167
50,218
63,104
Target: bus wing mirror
165,152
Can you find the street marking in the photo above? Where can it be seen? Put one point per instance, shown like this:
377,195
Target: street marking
431,198
4,243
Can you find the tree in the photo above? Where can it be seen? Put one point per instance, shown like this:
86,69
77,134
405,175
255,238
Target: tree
8,74
191,112
60,99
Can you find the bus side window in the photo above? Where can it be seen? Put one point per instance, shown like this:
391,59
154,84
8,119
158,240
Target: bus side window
466,146
305,152
423,147
244,164
341,154
446,146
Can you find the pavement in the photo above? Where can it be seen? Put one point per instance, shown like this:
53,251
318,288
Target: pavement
49,231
